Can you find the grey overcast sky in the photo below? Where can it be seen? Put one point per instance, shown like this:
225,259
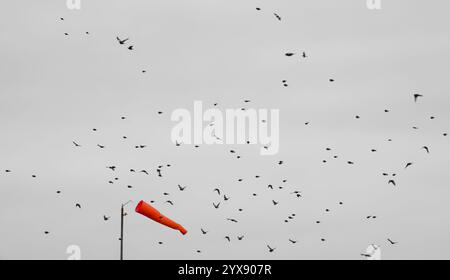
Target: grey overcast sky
54,89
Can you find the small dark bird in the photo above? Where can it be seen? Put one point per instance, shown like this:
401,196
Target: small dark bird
131,48
426,149
100,146
281,162
181,188
204,232
226,198
258,9
240,238
145,172
113,168
277,16
275,202
228,238
293,241
216,205
270,187
169,202
67,34
417,96
8,171
105,218
76,144
392,242
232,220
271,250
46,232
409,164
78,205
392,182
290,54
218,191
122,42
331,80
304,55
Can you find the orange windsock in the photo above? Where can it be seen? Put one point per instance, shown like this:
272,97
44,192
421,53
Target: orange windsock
150,212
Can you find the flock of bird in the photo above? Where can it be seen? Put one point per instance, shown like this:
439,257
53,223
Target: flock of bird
221,196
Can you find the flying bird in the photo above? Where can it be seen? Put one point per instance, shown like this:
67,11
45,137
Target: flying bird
122,42
204,232
78,205
271,250
76,144
426,149
181,188
105,218
409,164
216,205
392,242
277,16
417,96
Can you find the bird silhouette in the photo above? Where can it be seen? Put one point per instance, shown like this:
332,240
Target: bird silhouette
417,96
204,232
240,238
271,250
78,205
228,238
105,218
232,220
181,188
113,168
409,164
392,242
293,241
426,149
216,205
122,42
145,172
277,16
76,144
218,191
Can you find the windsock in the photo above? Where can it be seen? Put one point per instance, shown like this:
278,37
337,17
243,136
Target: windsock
150,212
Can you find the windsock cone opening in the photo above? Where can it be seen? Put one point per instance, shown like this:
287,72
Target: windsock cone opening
152,213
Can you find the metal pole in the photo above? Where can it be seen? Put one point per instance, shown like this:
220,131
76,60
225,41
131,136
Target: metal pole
121,233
